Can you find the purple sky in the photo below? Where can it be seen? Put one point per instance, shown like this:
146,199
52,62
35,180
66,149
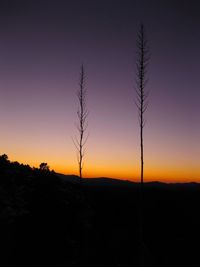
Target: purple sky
43,44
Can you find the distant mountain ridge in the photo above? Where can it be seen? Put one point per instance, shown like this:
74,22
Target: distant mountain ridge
113,182
95,181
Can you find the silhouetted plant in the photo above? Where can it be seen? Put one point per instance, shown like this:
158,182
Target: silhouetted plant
44,167
35,204
142,61
82,114
141,81
4,159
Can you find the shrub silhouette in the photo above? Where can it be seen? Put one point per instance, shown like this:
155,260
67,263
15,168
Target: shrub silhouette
42,219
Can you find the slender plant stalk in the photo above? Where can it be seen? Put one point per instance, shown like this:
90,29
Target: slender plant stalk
82,114
142,103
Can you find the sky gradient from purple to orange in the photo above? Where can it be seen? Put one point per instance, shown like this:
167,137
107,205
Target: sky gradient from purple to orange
43,44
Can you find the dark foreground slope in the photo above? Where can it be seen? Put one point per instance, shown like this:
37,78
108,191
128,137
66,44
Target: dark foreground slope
45,221
171,225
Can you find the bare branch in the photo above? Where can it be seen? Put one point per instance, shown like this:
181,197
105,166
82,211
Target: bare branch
82,124
141,101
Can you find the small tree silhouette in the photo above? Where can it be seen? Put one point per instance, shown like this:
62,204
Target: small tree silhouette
142,61
82,114
44,167
4,158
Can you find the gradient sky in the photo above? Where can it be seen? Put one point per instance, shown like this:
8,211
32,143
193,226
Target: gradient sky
43,44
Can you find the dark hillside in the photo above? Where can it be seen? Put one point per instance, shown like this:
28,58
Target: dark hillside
171,224
48,221
42,220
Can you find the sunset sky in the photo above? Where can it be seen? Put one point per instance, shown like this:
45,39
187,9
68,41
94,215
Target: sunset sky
42,46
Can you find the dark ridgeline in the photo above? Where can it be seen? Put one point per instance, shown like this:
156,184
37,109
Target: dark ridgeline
82,114
43,220
142,61
47,221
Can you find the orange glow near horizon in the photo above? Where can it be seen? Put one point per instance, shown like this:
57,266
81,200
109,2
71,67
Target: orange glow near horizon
170,174
171,148
110,158
41,55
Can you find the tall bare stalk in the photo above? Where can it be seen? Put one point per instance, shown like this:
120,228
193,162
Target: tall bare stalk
82,124
142,103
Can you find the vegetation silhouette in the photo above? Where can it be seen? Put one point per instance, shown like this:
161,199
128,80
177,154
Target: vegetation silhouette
82,114
143,57
42,218
44,167
45,220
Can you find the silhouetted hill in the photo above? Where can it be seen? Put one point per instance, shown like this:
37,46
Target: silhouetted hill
107,182
43,221
112,182
48,219
74,179
100,181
